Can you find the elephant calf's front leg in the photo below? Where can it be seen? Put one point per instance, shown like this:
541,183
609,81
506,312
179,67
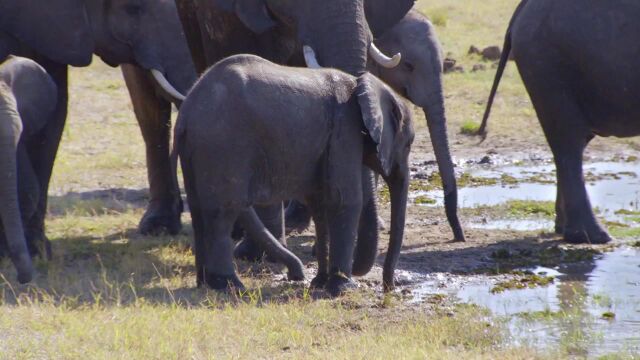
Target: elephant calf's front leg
343,228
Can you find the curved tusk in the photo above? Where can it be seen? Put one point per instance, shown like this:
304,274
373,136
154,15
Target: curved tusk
166,86
383,59
310,57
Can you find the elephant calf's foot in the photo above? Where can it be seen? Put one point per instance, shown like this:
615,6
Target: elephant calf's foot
224,282
338,284
320,281
159,220
248,251
583,237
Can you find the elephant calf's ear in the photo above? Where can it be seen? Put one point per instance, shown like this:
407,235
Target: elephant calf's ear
379,117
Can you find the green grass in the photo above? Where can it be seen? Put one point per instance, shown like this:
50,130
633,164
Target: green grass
528,208
469,128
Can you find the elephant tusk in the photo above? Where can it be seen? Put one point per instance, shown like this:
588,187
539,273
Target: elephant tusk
310,57
383,59
166,86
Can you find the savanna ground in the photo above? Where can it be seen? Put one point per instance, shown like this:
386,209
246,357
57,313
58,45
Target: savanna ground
109,292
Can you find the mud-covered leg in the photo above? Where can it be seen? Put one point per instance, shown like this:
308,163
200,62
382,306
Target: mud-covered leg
154,117
343,227
219,270
321,245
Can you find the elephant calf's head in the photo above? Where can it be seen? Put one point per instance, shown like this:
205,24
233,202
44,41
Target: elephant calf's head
388,120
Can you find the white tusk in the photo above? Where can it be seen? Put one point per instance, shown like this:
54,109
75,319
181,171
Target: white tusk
310,57
166,86
383,59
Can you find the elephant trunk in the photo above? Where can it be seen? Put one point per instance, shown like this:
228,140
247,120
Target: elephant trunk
437,123
10,130
398,184
348,49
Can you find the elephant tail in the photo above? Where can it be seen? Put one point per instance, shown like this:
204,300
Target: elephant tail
504,58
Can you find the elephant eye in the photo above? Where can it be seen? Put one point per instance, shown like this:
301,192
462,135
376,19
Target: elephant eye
408,66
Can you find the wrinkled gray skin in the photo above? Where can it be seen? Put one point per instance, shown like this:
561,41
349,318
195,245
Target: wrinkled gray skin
141,35
276,30
419,79
27,102
58,31
331,122
580,69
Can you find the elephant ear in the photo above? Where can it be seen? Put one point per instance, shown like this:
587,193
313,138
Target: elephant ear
381,116
254,14
384,14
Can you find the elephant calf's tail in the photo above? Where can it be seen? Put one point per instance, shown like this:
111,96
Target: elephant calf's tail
504,58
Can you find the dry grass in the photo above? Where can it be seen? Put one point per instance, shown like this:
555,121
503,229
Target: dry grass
111,293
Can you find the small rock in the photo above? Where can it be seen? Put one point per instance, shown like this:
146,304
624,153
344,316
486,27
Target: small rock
474,50
449,64
458,69
479,67
491,53
485,160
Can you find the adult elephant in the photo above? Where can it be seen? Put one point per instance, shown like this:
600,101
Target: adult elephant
579,62
335,33
145,37
61,31
418,77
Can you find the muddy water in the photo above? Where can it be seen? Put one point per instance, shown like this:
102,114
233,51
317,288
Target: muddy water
593,306
611,187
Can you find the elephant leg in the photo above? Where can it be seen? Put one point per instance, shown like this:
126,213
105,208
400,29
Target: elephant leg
560,216
321,245
368,231
272,216
298,217
42,150
154,116
567,131
196,221
28,187
343,226
219,270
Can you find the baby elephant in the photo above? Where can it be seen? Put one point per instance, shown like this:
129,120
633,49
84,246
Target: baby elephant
255,133
27,101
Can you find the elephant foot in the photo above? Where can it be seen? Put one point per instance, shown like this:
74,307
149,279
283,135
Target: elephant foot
248,251
297,217
224,282
161,219
320,281
338,284
24,267
583,237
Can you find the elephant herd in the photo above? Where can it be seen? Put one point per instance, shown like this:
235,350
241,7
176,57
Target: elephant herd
258,129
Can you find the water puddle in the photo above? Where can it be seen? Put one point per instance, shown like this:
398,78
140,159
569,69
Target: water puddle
514,224
591,308
611,187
